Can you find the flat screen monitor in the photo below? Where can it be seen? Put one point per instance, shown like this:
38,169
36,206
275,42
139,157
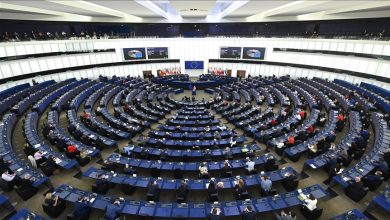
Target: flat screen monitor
255,53
134,53
230,52
157,52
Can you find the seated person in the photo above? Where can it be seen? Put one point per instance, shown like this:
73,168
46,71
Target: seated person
129,170
53,201
28,149
72,151
216,214
356,188
226,170
312,150
217,135
82,209
211,188
4,165
382,166
331,137
153,190
228,153
108,165
232,142
39,159
84,153
270,163
289,181
85,115
101,180
11,179
334,169
52,137
373,180
285,215
113,210
182,191
51,165
249,214
240,189
98,110
61,144
203,171
310,130
290,141
250,154
250,166
266,185
26,182
309,204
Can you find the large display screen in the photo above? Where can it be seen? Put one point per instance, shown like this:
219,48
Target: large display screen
134,53
230,52
256,53
157,52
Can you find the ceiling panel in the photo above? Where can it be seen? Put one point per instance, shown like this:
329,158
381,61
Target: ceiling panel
127,6
196,11
255,7
203,8
55,7
327,5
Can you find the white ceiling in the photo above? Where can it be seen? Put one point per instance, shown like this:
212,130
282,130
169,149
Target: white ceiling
190,11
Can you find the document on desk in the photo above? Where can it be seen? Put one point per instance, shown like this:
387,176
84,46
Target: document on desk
301,197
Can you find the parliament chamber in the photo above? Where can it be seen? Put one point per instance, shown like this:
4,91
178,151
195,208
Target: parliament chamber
110,112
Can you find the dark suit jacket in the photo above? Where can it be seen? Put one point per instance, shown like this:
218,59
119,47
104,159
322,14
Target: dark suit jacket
249,215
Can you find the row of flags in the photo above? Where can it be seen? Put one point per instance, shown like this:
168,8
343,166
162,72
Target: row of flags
171,71
217,71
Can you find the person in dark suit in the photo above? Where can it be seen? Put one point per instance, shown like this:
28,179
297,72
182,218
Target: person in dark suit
101,180
182,191
113,210
51,165
373,179
240,189
226,170
109,166
153,190
164,155
334,169
249,214
331,137
356,186
211,190
61,144
4,165
26,182
82,209
289,181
